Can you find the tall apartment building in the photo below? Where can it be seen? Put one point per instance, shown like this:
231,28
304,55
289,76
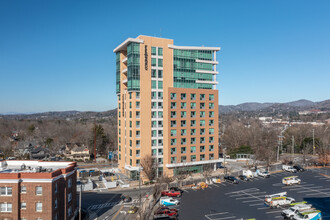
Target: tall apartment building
37,190
167,105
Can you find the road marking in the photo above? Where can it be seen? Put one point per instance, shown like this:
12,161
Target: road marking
256,204
216,186
244,190
263,208
251,201
220,213
274,211
117,213
223,218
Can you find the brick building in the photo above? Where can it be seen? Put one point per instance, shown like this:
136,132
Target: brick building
37,190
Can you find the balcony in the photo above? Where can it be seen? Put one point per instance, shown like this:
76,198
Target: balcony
125,81
124,71
124,60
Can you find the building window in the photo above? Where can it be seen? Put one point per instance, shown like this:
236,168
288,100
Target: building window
173,132
39,207
137,95
137,162
211,139
153,84
173,114
192,96
183,150
202,122
183,114
193,105
193,132
183,123
211,114
160,95
202,105
160,114
211,157
69,182
55,188
193,158
160,124
183,159
6,207
153,73
130,95
211,105
211,148
137,124
69,211
160,84
183,105
153,143
183,96
183,141
173,96
153,95
153,50
202,97
173,105
193,114
173,124
193,123
23,189
160,151
211,130
202,114
160,62
160,74
173,141
130,104
154,105
23,205
211,122
202,131
154,124
193,149
202,149
173,150
153,133
183,132
6,191
202,140
153,61
38,190
160,51
137,104
192,140
173,159
211,97
202,156
69,197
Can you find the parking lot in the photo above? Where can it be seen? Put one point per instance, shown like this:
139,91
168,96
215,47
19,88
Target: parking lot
246,199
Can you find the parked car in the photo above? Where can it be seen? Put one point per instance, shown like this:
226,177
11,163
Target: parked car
167,212
308,215
289,168
161,208
176,189
171,193
243,177
290,180
133,209
168,201
292,211
277,202
231,179
126,198
264,174
299,168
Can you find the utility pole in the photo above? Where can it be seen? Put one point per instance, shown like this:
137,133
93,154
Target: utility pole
313,143
292,146
80,201
94,142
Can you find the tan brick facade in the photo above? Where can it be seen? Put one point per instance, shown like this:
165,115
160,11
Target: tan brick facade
136,142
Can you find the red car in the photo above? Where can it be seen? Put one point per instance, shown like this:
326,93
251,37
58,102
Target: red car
171,193
167,213
163,208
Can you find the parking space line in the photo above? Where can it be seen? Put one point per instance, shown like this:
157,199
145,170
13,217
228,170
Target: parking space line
256,204
220,213
251,201
224,218
263,208
273,211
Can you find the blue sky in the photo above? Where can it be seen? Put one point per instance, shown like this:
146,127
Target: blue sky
57,55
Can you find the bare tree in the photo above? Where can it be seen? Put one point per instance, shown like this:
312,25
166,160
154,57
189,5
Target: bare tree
149,167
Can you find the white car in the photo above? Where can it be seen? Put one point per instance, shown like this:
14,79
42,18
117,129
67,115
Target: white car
290,180
264,174
289,168
309,215
277,202
268,198
169,201
294,210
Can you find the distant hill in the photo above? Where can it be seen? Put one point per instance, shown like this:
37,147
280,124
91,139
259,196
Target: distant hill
295,106
253,107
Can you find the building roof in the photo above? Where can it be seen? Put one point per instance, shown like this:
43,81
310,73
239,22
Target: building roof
79,149
32,166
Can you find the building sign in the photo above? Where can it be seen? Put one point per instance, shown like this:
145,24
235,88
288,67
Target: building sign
146,57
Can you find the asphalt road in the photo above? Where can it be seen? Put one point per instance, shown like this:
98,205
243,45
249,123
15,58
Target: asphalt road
246,199
108,205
